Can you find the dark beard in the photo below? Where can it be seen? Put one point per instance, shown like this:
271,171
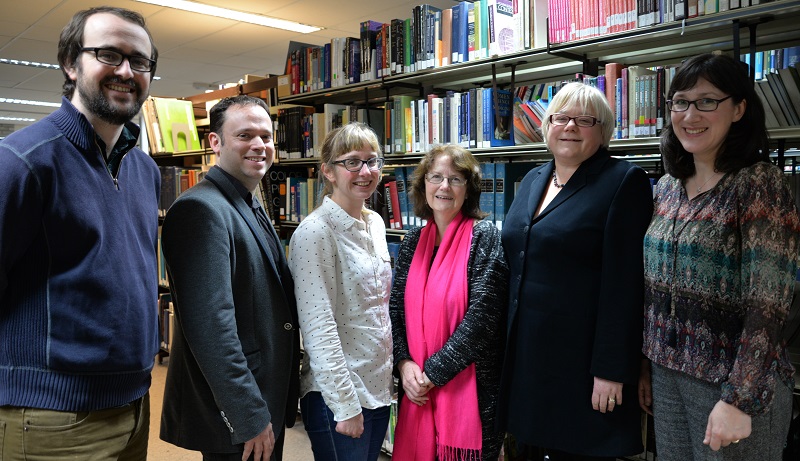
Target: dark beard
97,103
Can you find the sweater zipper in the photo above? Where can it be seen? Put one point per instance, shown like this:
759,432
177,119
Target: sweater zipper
103,158
119,168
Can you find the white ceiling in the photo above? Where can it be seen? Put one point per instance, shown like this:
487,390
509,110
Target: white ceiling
196,52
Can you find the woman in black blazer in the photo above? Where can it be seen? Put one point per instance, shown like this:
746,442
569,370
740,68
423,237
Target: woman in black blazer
573,237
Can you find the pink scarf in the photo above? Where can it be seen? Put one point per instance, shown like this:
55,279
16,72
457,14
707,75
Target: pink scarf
448,427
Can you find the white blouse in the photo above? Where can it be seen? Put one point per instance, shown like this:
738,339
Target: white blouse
342,277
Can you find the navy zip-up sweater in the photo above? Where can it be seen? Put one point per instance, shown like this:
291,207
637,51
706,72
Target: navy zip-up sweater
78,277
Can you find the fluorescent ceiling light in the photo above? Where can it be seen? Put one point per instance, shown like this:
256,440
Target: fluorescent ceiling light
234,15
41,65
17,119
30,103
17,62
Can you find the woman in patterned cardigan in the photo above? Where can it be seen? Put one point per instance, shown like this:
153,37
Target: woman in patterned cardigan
447,304
720,265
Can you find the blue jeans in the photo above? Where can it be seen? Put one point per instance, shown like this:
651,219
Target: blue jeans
329,445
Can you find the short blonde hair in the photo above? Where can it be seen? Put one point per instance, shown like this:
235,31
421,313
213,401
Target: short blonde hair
585,97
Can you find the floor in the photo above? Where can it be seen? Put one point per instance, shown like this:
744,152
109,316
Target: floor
297,446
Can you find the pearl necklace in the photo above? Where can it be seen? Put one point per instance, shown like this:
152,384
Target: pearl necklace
555,181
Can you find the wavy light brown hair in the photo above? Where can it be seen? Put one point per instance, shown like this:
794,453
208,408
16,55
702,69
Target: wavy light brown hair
465,164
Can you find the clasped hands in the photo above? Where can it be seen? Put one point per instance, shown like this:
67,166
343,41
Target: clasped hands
415,382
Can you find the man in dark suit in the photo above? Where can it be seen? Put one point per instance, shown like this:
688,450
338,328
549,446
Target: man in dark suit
232,383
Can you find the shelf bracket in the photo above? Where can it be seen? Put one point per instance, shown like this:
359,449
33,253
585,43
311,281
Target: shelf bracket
590,65
366,105
737,29
781,152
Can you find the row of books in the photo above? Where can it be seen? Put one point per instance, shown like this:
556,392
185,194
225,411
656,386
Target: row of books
303,194
169,125
499,183
405,124
474,118
275,188
292,193
579,19
431,37
174,181
777,83
770,61
637,96
780,93
434,37
299,131
470,118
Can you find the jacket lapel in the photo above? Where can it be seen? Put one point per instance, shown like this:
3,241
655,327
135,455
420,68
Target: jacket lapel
245,212
586,172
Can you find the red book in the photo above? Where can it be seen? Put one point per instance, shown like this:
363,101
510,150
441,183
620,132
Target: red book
613,72
393,201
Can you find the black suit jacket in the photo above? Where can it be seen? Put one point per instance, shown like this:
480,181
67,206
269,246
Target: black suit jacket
576,306
234,360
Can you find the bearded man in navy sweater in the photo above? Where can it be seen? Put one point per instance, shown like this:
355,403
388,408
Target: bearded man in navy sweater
78,277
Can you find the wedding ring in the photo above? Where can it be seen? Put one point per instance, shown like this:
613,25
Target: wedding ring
736,441
612,400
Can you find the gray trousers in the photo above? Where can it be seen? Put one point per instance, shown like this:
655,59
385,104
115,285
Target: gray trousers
681,405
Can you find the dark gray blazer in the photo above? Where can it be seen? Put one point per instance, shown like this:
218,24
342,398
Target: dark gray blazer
234,359
576,307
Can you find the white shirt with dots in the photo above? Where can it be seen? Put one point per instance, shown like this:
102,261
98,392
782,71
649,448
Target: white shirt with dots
342,277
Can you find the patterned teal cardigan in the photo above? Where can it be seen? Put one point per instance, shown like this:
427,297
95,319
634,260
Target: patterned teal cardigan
719,279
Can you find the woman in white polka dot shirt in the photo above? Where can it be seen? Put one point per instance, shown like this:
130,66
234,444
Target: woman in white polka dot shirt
340,263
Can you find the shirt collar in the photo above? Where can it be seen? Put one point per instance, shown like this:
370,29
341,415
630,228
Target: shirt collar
125,142
247,196
343,217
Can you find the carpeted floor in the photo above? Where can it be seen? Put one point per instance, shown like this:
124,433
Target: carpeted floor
297,446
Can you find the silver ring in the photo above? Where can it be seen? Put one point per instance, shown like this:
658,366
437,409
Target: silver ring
612,400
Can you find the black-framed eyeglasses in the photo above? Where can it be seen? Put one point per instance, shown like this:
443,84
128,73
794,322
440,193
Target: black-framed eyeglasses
454,181
354,165
703,104
115,58
584,121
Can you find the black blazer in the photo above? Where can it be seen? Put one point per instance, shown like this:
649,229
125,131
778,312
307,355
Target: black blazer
576,307
234,360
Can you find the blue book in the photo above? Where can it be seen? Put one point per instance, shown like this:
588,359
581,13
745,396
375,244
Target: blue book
326,66
791,56
402,197
759,65
413,220
394,252
618,109
455,34
501,132
507,177
487,190
486,109
447,135
461,23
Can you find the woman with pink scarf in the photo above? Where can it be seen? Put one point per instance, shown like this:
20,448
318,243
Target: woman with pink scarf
446,306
